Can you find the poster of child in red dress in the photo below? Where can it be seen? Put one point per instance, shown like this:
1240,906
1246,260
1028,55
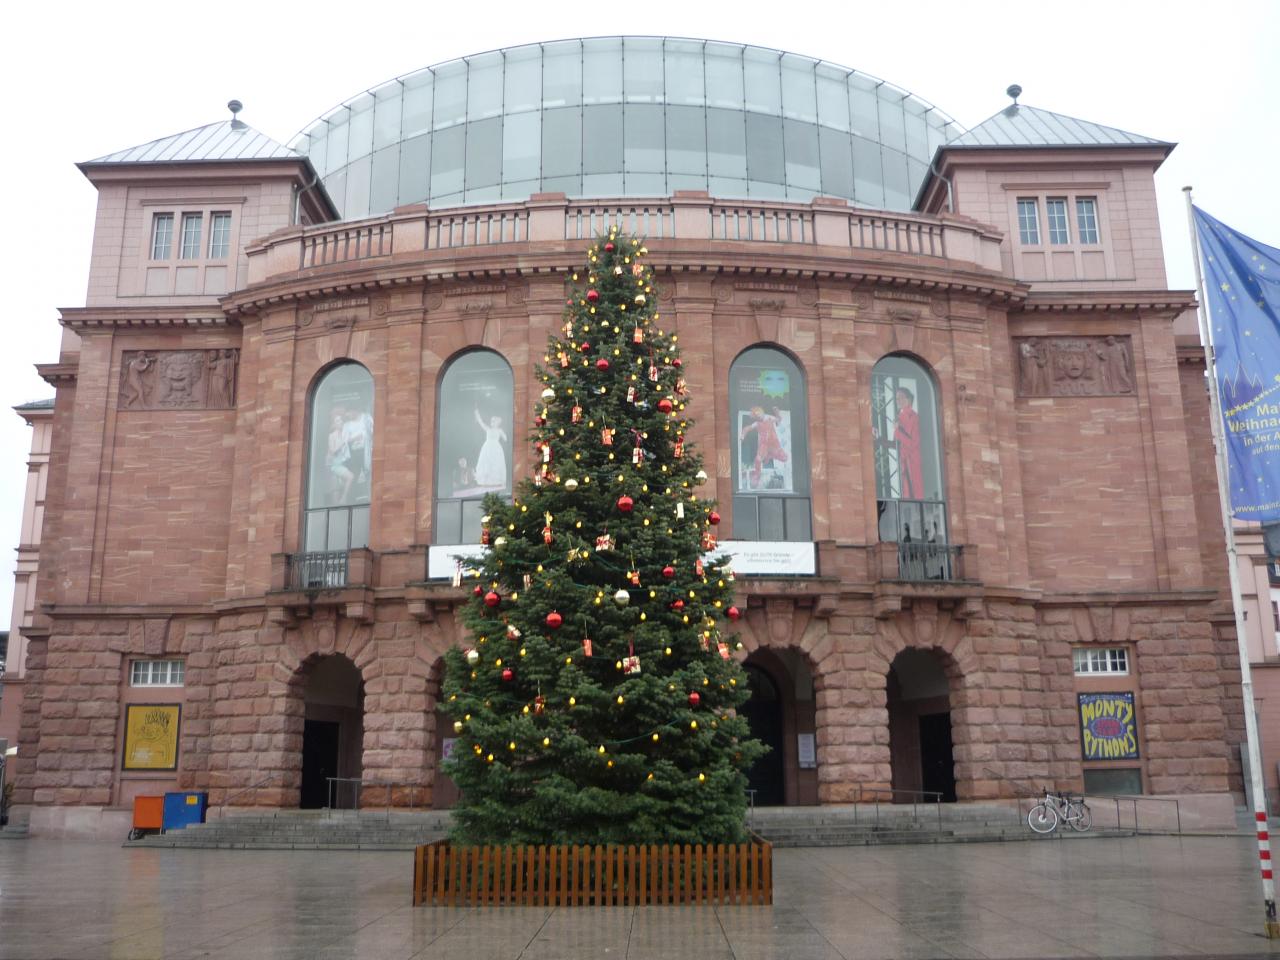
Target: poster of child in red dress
763,429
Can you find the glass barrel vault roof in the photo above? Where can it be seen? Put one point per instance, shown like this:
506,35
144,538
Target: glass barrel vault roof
625,117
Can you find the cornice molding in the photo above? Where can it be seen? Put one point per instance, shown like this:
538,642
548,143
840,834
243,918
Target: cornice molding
149,317
1109,301
58,374
893,270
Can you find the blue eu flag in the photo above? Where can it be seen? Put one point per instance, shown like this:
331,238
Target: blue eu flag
1242,285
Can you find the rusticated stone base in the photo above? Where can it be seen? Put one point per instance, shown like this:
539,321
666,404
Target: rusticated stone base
1010,689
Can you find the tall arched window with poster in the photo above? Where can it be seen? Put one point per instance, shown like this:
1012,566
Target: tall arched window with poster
910,482
769,424
473,442
340,459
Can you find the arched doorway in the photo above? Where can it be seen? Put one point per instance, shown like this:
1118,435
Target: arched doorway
332,732
444,792
920,744
781,712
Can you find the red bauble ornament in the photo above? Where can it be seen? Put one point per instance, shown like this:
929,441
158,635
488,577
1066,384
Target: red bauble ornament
554,620
695,698
608,247
625,503
677,604
665,405
478,590
668,572
677,362
714,518
602,364
733,613
539,421
585,347
592,296
491,599
508,674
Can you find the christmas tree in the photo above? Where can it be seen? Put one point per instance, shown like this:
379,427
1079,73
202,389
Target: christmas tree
595,701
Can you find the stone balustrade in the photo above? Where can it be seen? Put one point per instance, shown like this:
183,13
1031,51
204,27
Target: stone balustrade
688,215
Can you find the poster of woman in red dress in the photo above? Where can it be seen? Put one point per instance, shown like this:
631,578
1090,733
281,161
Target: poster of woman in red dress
770,452
906,433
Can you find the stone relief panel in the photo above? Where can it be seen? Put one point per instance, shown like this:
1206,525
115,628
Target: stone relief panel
1074,366
178,379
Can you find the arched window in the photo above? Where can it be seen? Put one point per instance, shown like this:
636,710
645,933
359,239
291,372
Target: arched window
340,459
473,442
910,488
769,426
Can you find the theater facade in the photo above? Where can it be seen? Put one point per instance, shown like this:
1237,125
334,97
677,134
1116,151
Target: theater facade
963,466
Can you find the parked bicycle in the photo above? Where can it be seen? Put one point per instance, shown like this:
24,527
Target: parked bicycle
1056,808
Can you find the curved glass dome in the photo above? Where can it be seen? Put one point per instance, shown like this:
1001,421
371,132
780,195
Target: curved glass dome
625,117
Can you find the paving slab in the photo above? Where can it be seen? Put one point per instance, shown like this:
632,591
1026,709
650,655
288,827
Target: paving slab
1133,897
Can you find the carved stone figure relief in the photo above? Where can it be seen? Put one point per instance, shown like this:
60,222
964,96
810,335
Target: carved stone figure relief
1074,366
178,379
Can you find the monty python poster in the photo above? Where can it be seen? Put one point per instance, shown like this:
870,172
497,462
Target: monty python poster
151,736
1108,726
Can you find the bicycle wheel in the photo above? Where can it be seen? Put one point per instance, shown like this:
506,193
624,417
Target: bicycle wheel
1043,818
1081,818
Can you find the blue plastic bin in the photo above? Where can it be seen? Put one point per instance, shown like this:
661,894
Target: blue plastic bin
184,809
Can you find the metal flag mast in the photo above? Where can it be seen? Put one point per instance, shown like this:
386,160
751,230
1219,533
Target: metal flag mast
1258,790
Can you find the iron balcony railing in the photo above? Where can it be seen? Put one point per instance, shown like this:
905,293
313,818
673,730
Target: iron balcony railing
318,571
922,562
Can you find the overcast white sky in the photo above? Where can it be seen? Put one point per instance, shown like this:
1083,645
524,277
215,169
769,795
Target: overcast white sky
82,79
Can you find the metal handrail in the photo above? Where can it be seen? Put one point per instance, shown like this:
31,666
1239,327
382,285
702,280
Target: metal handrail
1021,793
222,807
915,803
361,783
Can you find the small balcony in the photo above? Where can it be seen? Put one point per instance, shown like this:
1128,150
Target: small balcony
304,582
924,562
318,571
943,572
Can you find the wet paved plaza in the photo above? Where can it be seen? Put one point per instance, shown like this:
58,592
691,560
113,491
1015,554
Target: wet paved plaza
1165,897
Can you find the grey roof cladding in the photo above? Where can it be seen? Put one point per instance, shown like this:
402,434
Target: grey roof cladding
226,140
1019,125
36,405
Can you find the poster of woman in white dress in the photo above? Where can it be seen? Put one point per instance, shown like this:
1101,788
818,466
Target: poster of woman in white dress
474,442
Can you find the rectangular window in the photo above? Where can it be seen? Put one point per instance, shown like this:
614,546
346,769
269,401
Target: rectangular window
161,236
219,236
156,673
1055,209
1087,219
191,236
1275,613
1124,782
1028,222
1093,660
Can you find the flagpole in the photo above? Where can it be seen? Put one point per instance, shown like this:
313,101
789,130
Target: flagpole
1272,927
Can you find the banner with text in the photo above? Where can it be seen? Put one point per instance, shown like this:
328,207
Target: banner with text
1242,286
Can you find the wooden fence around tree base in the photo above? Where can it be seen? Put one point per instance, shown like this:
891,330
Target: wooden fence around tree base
573,876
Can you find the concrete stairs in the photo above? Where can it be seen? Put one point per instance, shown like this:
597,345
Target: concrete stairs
846,825
307,830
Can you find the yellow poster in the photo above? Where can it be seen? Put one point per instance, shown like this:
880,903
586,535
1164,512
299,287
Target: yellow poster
151,736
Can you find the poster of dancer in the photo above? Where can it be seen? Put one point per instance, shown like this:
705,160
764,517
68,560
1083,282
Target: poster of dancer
474,439
342,439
